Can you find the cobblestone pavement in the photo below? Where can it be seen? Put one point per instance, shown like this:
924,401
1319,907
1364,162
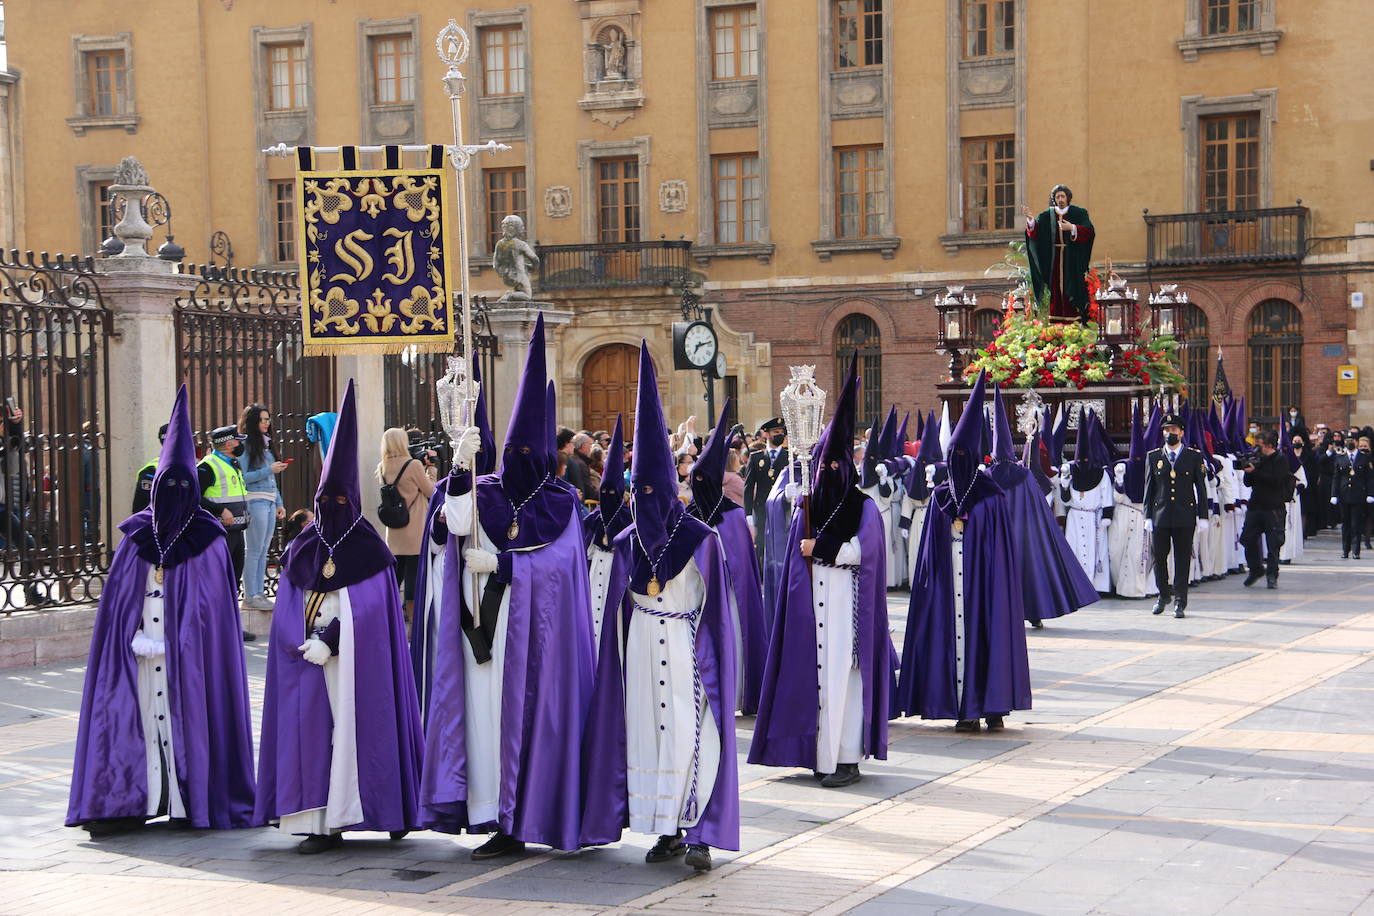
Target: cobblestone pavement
1218,764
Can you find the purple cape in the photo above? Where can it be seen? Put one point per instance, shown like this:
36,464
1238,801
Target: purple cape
785,732
547,686
208,685
1052,580
996,668
294,758
741,564
422,630
606,810
777,521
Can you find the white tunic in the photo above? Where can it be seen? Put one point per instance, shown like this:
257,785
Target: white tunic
1132,550
344,805
671,741
914,509
164,792
898,546
1292,541
599,580
884,505
434,603
839,736
1083,532
956,554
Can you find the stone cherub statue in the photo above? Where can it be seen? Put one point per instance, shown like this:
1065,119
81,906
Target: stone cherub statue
513,259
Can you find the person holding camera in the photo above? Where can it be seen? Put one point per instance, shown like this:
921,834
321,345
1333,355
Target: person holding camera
1175,506
407,478
1350,492
1271,483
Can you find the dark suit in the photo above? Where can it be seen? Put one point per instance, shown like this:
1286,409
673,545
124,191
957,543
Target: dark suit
1350,487
1175,498
1270,483
759,476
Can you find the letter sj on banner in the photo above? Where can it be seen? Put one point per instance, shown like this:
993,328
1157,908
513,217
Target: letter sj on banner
374,260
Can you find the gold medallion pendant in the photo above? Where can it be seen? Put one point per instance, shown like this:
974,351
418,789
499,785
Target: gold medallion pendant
958,526
329,568
513,531
654,587
158,574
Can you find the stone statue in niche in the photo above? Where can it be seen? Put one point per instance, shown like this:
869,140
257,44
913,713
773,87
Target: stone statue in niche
613,54
513,260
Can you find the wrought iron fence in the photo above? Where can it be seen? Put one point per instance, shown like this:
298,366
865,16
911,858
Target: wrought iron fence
608,264
1229,237
410,377
240,342
55,513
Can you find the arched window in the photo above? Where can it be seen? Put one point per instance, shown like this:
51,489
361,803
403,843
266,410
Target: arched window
985,322
1275,347
859,334
1193,354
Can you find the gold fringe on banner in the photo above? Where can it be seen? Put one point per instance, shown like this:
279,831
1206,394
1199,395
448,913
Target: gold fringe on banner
392,348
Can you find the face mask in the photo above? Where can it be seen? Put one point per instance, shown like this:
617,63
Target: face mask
1253,430
1292,413
776,439
1352,447
1171,439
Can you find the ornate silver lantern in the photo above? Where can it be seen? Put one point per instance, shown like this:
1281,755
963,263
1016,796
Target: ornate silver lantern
802,404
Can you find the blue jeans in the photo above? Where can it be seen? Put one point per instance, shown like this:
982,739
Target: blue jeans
262,524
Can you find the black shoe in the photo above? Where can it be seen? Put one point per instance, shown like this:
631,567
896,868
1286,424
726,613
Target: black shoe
1159,605
846,774
249,637
399,834
666,849
968,725
1346,556
1252,578
317,843
1273,582
995,723
1178,610
34,598
699,856
818,774
109,826
1037,624
500,844
179,823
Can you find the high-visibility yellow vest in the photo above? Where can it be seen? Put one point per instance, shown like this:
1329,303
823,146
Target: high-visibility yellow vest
227,491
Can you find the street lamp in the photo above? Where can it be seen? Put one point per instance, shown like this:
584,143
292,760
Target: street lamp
955,327
1166,311
1118,304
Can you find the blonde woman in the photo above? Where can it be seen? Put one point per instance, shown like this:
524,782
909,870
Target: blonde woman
414,480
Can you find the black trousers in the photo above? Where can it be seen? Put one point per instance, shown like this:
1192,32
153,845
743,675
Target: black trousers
1268,524
760,520
1179,541
1352,527
236,553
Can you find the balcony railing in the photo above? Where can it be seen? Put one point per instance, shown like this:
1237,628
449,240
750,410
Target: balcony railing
609,264
1227,237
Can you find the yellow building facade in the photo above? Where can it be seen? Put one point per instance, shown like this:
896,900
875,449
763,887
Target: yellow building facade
832,163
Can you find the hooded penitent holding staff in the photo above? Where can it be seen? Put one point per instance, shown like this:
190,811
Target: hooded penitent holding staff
825,699
164,727
604,524
1059,246
660,740
341,737
964,657
712,506
513,666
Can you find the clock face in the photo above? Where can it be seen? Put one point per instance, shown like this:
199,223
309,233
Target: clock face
720,365
699,344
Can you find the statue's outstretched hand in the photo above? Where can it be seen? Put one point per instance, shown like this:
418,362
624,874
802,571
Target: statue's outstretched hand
1026,212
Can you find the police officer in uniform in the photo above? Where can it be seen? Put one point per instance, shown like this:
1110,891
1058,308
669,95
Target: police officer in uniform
764,467
1350,492
1175,504
224,494
143,483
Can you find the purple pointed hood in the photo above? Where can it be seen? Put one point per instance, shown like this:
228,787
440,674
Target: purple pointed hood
1089,456
1154,430
875,448
901,439
615,515
340,532
1056,436
921,425
965,455
928,454
1133,481
833,473
527,459
174,526
707,477
664,536
1002,447
486,457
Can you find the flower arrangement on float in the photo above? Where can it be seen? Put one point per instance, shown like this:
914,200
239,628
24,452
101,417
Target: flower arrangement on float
1031,351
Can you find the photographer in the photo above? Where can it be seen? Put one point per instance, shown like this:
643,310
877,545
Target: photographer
1350,492
412,477
1271,487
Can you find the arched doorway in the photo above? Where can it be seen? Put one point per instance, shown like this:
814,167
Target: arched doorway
1193,354
1275,346
609,381
858,333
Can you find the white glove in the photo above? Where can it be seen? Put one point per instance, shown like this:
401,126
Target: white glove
1119,473
792,492
930,475
479,561
1104,523
1335,500
466,446
906,534
1064,469
315,651
1203,524
147,647
1149,526
882,472
1369,499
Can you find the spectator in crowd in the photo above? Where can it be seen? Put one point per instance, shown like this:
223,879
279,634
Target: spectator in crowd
576,472
413,479
13,524
1310,504
597,462
1271,487
265,506
684,475
589,482
143,482
734,482
224,495
295,523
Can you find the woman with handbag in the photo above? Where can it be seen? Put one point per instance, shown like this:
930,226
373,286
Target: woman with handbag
407,483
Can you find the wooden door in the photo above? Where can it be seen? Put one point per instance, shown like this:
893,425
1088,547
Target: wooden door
609,383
